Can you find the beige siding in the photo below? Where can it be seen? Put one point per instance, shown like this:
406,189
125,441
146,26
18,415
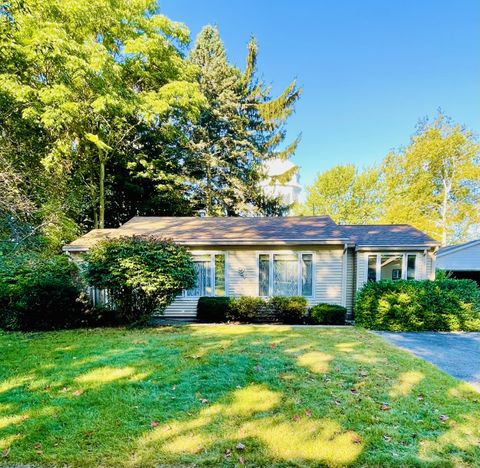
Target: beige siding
350,280
242,275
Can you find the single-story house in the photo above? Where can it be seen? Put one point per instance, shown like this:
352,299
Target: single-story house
462,260
308,256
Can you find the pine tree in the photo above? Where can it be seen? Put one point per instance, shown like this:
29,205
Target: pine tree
240,129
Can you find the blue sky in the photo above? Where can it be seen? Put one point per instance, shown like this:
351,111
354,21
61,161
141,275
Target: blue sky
370,69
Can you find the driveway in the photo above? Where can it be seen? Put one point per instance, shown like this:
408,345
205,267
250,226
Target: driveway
457,354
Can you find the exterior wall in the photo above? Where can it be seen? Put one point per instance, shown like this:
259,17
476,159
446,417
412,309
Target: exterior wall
467,259
242,274
425,268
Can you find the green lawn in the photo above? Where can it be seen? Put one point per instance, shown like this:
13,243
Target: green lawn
190,395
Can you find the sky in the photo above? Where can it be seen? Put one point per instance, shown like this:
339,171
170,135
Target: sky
369,69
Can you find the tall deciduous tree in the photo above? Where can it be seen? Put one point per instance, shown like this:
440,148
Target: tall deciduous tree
348,195
87,72
434,183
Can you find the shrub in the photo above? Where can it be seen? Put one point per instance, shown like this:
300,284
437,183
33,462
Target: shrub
245,309
213,309
38,293
328,314
289,309
442,305
142,275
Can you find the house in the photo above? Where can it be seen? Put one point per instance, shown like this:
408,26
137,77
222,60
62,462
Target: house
308,256
462,260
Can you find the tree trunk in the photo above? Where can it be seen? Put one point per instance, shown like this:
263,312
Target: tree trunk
101,204
447,186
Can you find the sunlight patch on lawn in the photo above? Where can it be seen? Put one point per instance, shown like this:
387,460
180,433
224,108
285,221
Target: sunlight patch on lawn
7,441
10,384
6,421
105,374
462,435
191,436
318,440
233,330
406,382
316,361
347,347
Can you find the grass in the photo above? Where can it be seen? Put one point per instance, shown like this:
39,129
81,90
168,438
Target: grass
290,396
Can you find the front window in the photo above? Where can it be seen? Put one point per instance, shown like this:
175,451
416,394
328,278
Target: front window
391,267
285,274
210,281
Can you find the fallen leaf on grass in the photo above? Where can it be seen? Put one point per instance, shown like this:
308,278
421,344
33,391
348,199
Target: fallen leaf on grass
240,446
241,460
308,413
337,402
6,452
354,391
228,453
154,424
443,417
387,438
77,392
64,389
385,407
296,418
37,445
356,439
204,401
420,397
363,373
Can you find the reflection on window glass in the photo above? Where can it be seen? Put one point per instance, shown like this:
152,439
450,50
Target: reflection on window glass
391,267
219,275
263,275
203,286
285,275
307,275
372,268
411,260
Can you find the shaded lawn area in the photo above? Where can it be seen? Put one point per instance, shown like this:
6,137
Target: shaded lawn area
189,395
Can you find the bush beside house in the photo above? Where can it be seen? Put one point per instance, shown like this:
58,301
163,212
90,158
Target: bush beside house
142,275
441,305
40,293
247,309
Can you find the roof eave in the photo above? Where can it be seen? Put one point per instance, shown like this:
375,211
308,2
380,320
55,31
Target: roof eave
396,246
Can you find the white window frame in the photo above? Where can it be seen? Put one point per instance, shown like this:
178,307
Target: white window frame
200,253
299,254
378,270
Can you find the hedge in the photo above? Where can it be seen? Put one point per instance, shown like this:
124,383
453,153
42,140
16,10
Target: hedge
252,309
441,305
328,314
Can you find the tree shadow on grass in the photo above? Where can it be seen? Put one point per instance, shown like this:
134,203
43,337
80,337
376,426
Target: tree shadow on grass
191,394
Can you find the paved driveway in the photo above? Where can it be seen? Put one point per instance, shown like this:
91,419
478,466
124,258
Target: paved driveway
457,354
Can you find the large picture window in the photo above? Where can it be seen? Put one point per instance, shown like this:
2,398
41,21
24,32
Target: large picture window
285,274
393,267
210,270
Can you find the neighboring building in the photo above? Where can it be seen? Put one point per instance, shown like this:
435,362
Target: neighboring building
289,190
463,260
290,256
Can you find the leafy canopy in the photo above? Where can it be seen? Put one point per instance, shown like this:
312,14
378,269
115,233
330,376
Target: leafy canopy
141,275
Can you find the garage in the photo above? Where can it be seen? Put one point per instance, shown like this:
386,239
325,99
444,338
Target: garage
462,260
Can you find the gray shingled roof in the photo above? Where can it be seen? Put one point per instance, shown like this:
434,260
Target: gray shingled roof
387,235
448,248
272,230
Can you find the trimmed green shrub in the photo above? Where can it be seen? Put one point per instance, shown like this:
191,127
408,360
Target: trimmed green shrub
291,309
441,305
141,274
213,309
39,293
245,309
328,314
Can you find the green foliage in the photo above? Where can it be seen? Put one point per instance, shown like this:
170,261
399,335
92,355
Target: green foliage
289,309
250,309
328,314
441,305
245,309
40,293
213,309
346,194
141,275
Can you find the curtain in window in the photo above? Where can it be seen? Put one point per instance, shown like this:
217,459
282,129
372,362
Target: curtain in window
285,275
307,275
263,275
